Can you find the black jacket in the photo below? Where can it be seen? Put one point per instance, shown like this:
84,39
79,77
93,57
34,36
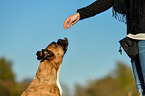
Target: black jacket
102,5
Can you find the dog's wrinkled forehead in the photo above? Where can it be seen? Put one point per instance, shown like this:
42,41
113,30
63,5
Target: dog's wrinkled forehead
55,48
51,45
61,44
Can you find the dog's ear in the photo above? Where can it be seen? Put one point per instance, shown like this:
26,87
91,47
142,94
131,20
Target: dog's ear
45,54
39,55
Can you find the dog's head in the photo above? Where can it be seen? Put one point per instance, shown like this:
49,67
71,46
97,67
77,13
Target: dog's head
54,50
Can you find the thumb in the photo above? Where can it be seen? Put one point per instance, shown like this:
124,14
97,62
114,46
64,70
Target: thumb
76,20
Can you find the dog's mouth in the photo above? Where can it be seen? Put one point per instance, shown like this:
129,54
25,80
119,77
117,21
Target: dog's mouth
63,43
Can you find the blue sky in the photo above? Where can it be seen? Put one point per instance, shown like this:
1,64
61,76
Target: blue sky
27,26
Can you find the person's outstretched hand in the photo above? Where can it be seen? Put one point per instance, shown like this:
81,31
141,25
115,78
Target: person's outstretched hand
71,20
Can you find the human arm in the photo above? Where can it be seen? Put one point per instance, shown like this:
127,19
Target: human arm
95,8
89,11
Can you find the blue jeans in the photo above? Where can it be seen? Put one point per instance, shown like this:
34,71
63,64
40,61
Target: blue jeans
138,66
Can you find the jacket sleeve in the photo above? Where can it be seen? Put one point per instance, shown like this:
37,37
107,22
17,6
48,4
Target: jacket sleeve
95,8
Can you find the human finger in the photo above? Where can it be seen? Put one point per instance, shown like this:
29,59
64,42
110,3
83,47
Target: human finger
75,21
66,23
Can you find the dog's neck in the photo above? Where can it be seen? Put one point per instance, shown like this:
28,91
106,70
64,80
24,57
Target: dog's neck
47,72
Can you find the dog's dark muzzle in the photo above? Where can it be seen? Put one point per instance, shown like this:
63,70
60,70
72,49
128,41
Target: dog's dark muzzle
63,43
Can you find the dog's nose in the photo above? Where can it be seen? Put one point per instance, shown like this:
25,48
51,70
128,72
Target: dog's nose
62,41
65,39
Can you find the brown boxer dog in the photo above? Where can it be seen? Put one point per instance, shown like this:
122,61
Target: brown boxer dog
46,82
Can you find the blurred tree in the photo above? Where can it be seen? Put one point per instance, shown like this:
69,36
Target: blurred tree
119,82
6,72
8,85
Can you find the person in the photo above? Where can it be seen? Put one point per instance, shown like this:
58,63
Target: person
132,13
